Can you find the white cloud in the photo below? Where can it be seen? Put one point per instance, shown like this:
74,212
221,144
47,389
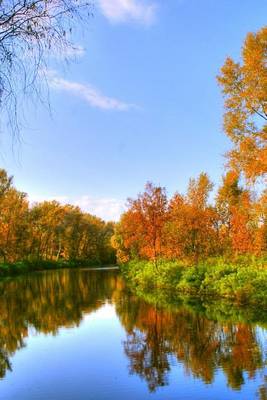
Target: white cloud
86,92
108,209
129,10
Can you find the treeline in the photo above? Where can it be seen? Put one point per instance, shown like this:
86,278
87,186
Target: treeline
188,227
49,231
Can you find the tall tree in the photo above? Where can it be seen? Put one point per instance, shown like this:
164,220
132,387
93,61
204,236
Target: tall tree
244,85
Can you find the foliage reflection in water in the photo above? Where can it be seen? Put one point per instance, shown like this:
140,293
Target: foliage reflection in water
187,350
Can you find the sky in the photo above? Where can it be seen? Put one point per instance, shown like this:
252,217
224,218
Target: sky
138,102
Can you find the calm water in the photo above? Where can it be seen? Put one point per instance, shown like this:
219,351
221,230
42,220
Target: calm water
81,335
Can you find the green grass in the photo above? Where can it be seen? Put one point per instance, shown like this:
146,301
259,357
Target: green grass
21,267
243,281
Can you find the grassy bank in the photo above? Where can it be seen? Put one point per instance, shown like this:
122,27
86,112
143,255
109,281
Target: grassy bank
22,267
243,281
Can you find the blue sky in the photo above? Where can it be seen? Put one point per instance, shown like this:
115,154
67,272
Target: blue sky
139,102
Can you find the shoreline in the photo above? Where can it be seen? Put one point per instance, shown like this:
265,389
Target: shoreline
9,270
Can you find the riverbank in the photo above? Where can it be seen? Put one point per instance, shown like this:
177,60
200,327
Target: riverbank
243,282
22,267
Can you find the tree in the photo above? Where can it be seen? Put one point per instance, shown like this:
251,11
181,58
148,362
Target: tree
260,241
30,31
240,217
141,227
244,85
13,219
241,232
199,190
13,225
5,182
191,224
227,201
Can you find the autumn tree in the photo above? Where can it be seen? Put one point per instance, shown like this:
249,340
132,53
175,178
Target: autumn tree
244,86
241,232
238,217
13,225
260,237
45,220
13,220
175,230
141,227
198,191
5,182
227,202
191,227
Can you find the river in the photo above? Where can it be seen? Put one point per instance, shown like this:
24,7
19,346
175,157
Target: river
81,334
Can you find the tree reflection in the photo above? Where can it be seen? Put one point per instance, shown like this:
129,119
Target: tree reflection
46,302
203,346
148,353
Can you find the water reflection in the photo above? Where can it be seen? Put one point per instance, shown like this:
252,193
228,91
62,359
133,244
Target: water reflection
204,341
201,345
47,301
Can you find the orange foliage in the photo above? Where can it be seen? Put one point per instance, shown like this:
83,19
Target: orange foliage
244,86
190,228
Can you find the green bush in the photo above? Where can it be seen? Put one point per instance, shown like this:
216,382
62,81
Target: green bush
243,281
192,279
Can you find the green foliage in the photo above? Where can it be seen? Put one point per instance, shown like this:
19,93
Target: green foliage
244,281
192,279
146,274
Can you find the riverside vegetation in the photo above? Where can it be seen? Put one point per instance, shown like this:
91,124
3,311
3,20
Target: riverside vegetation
243,281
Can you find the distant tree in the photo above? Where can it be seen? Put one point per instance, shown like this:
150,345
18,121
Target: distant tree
227,201
228,196
199,190
244,85
5,182
13,225
31,30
